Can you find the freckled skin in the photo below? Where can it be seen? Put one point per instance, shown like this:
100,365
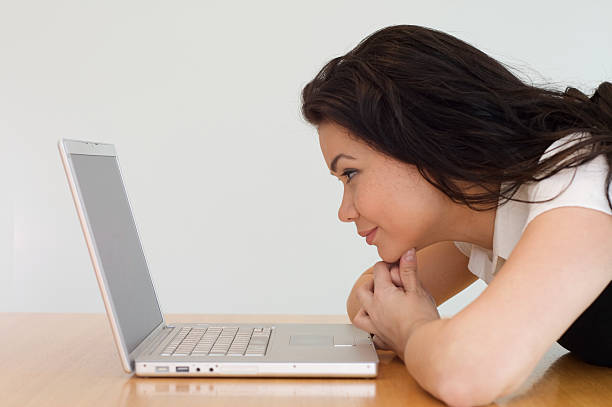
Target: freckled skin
393,196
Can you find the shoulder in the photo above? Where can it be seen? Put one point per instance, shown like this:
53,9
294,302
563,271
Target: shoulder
582,186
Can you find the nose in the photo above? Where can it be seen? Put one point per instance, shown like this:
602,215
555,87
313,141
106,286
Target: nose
347,211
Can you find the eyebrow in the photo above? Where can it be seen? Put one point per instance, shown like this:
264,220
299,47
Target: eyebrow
335,160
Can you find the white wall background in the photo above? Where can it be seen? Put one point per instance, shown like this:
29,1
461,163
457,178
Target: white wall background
235,206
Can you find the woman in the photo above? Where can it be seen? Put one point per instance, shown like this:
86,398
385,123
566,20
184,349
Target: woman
443,151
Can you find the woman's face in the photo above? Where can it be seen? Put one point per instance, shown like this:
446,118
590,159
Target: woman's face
383,193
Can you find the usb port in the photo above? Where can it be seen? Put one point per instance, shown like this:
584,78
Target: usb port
182,369
162,369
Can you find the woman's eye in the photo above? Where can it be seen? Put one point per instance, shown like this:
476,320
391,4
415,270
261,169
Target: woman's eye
349,175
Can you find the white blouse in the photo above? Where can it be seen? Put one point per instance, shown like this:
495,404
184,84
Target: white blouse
585,190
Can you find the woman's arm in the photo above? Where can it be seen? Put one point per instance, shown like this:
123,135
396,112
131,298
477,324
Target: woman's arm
559,267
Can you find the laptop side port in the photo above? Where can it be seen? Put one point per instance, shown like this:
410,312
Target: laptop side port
162,369
182,369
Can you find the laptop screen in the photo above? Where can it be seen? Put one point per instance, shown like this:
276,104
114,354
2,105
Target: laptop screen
114,233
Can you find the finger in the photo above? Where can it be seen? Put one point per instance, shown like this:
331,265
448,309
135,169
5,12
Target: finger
395,276
362,321
407,271
382,278
379,343
369,285
381,265
365,292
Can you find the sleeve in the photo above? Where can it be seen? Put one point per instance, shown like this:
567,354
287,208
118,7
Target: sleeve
464,247
585,188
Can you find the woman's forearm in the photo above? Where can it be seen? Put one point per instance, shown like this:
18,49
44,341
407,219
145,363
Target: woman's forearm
441,364
422,355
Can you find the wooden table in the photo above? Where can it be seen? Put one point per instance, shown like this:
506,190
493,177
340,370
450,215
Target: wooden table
71,360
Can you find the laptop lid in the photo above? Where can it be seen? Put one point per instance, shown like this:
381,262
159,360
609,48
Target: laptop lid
114,246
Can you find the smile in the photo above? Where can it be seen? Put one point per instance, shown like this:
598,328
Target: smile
370,236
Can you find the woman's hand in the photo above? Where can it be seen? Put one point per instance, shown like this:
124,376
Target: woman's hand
396,280
394,304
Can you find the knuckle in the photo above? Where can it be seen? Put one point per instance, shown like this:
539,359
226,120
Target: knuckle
381,265
359,315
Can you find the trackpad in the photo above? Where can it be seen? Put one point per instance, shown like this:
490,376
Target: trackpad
311,340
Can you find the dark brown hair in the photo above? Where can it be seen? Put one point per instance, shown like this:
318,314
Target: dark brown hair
431,100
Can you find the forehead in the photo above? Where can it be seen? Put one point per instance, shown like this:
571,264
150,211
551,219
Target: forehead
335,139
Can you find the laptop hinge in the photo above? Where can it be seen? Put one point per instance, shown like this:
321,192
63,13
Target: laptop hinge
152,340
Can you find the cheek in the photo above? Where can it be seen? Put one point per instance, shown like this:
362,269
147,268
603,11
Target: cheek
368,203
405,220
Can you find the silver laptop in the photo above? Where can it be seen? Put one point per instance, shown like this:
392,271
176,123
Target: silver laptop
150,347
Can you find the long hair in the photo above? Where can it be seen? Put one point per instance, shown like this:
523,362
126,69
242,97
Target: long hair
459,116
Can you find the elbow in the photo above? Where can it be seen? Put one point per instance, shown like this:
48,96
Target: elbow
473,389
460,373
466,376
478,380
458,393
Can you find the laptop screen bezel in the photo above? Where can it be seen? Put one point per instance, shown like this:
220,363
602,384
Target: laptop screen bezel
68,147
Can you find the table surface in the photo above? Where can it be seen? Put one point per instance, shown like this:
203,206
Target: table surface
71,360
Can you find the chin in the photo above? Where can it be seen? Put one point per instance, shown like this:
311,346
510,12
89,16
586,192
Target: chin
388,257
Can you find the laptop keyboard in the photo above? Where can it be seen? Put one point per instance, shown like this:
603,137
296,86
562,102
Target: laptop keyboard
219,341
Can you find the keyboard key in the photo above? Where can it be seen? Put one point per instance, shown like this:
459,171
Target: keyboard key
219,341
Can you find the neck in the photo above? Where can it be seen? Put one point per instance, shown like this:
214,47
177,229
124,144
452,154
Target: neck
473,226
468,225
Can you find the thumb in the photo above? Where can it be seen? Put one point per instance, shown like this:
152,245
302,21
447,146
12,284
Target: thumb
407,270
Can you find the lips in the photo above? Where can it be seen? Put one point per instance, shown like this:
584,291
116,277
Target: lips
365,232
370,236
